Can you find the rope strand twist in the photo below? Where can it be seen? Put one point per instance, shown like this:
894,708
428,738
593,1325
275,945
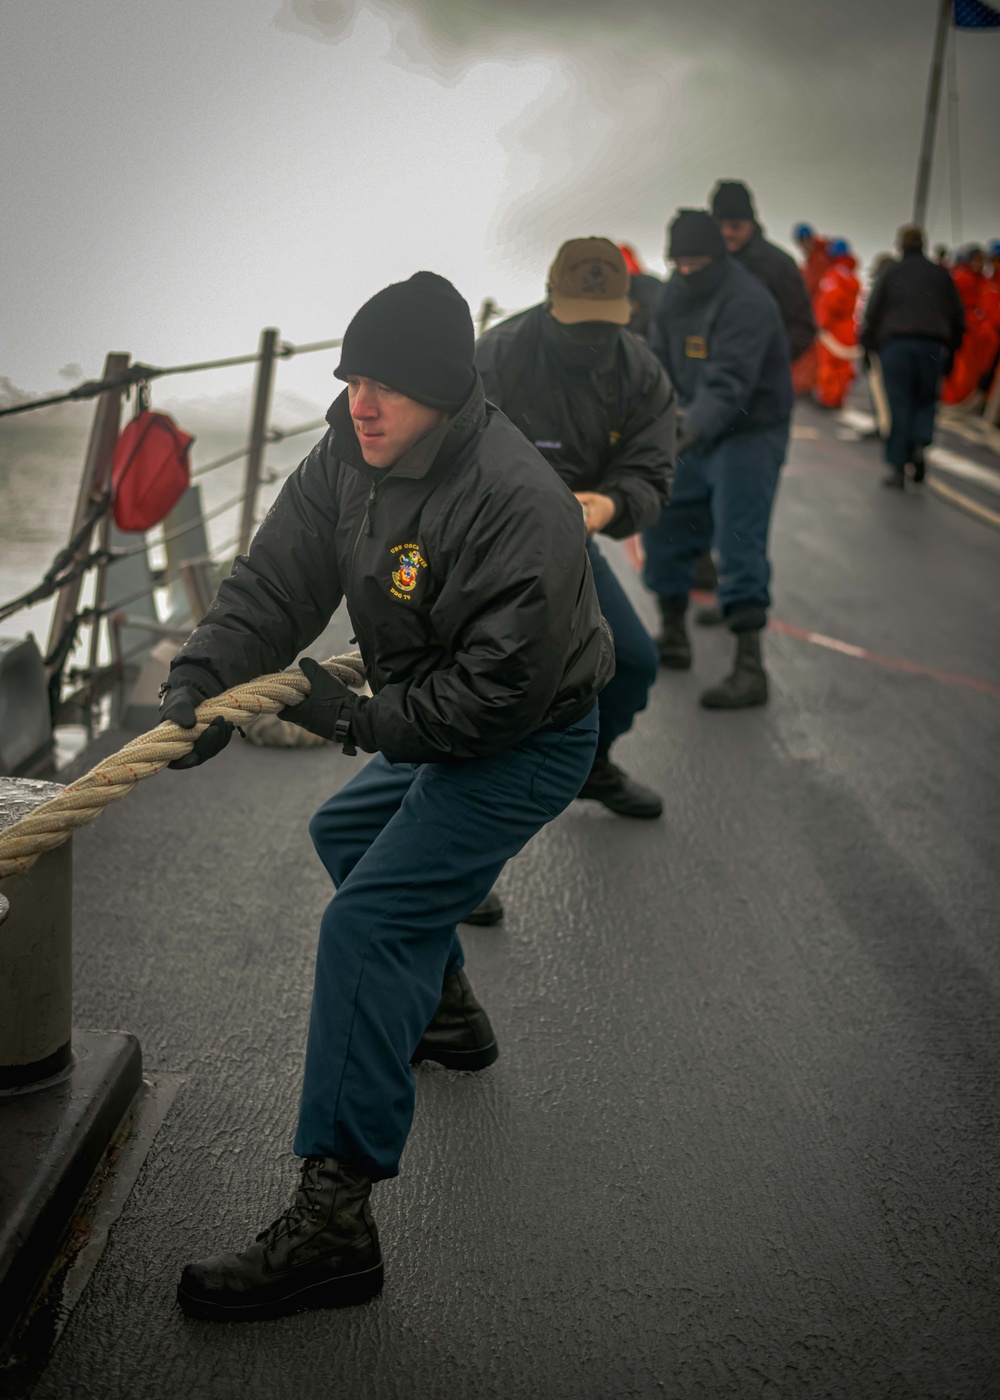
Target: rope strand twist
82,802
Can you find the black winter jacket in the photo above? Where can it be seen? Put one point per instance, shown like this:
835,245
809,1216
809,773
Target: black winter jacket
781,276
466,579
608,429
914,297
726,353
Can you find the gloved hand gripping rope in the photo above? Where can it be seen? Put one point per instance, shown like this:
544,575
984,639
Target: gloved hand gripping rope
49,825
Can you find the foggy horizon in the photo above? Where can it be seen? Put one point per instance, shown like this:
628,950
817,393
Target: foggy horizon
179,179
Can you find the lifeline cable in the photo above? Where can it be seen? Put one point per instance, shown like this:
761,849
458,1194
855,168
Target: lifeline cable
82,802
142,374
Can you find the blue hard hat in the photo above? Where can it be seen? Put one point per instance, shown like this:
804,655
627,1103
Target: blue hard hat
801,231
993,248
838,248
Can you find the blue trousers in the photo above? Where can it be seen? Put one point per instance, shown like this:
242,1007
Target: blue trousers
912,370
411,849
722,497
636,662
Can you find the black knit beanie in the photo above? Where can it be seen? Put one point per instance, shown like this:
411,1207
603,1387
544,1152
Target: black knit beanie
732,200
416,337
695,234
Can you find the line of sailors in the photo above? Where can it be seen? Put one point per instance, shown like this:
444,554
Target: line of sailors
600,406
735,331
498,690
437,507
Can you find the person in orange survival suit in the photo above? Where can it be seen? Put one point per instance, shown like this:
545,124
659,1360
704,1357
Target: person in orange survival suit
836,331
976,353
815,262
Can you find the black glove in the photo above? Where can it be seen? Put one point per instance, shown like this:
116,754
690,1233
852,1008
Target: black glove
328,707
686,439
187,686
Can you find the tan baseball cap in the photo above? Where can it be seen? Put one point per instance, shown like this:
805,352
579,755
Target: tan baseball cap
589,282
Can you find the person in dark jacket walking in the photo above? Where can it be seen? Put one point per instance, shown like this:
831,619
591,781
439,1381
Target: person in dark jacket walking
732,206
463,563
733,210
719,334
914,321
599,408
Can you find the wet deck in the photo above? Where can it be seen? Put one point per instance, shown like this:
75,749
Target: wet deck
743,1136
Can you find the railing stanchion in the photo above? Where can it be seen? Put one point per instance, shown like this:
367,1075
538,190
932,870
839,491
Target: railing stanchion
96,476
258,433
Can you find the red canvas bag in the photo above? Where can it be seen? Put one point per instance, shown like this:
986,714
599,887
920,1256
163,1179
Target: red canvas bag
150,471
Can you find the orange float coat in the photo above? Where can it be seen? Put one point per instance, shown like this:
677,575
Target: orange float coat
979,344
815,266
804,369
836,301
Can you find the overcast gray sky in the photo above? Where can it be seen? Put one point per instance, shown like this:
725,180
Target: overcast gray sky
177,175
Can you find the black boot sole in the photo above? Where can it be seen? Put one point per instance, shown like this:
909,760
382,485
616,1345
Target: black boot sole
708,704
486,920
344,1291
468,1060
621,809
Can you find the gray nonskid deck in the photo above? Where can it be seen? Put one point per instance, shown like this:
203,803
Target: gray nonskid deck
742,1138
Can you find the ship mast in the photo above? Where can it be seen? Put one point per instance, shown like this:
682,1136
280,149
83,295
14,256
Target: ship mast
930,117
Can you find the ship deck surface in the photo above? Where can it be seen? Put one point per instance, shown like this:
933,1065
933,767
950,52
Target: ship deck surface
743,1136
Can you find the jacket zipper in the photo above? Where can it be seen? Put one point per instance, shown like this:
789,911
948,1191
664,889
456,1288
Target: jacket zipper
366,526
364,529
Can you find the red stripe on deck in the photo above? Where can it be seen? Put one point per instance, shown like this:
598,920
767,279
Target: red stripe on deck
819,639
893,663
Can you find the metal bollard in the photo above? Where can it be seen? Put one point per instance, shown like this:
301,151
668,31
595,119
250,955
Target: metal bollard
36,947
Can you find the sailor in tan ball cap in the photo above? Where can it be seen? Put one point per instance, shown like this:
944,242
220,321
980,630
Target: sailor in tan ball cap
600,409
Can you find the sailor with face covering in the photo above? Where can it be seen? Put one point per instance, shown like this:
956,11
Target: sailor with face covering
598,407
719,334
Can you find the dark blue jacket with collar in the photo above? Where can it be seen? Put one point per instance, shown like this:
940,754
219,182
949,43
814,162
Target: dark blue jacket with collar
726,353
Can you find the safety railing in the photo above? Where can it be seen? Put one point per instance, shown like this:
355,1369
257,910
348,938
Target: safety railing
99,644
96,646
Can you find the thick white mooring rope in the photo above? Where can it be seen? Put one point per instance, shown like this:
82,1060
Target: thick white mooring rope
81,802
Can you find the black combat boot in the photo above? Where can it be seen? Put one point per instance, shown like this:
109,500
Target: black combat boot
486,914
608,784
460,1035
747,682
322,1253
673,643
919,462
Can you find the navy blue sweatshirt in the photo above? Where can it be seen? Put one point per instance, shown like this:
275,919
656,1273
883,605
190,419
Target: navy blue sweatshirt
726,352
